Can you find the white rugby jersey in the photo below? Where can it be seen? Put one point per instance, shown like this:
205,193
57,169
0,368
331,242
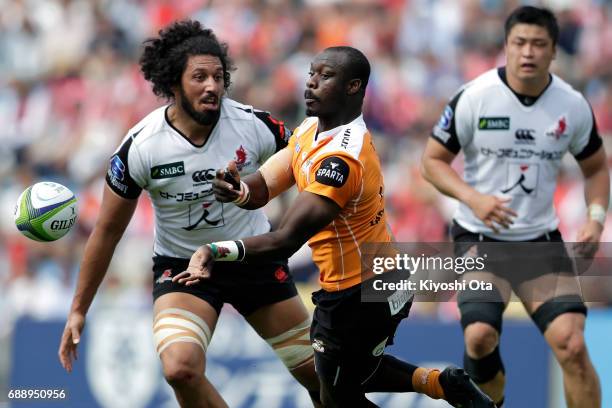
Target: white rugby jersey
178,175
513,146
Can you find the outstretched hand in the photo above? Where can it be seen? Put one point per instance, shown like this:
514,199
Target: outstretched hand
199,268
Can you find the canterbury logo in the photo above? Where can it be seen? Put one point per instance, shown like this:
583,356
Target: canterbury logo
203,176
524,134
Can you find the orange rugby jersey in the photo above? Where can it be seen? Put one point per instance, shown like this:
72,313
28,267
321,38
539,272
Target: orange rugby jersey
341,164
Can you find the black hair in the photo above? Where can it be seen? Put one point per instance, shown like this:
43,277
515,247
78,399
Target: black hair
164,58
533,15
356,65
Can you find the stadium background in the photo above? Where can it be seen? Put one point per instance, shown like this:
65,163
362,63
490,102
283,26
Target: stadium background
70,87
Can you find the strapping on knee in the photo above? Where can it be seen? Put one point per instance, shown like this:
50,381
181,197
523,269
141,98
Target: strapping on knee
549,310
174,325
484,369
480,306
293,346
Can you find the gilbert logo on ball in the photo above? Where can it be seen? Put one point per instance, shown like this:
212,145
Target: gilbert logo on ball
45,211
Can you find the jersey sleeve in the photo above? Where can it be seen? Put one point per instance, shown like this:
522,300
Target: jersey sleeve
585,140
272,132
125,174
336,176
455,127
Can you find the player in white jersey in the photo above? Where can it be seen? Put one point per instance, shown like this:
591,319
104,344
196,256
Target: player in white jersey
514,125
172,154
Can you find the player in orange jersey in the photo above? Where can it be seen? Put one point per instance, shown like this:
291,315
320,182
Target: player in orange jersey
332,159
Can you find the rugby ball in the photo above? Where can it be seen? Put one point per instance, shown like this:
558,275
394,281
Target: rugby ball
45,211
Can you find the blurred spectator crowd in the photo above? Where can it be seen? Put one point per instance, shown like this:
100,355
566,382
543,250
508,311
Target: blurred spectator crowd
70,87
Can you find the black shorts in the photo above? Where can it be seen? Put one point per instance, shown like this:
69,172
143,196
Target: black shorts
516,262
246,286
353,333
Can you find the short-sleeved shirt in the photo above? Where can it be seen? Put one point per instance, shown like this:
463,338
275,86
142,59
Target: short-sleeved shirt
178,174
514,145
342,165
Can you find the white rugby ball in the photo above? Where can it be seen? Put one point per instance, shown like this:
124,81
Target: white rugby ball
45,211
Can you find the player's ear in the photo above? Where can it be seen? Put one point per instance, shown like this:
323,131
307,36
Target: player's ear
353,86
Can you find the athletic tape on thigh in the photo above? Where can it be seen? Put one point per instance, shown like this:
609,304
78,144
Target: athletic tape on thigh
293,346
484,369
174,325
552,308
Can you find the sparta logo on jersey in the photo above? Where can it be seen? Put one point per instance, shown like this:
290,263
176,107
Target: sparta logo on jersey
333,172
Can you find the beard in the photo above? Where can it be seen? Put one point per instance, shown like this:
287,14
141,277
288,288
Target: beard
205,118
